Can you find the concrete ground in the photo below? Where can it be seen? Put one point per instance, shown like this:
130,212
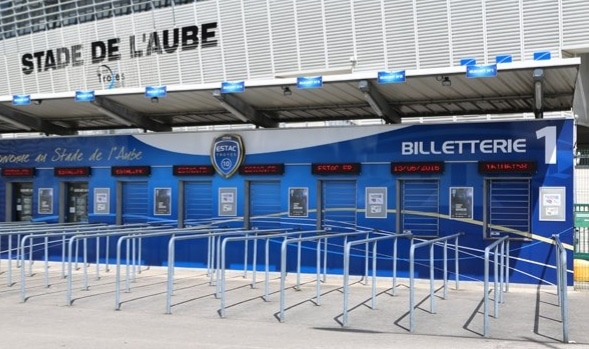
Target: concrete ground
529,317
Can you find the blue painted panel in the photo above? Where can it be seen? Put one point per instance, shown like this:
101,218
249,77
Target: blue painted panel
135,202
198,202
266,204
339,205
460,146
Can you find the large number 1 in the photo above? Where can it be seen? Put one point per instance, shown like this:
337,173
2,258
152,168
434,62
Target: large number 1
549,135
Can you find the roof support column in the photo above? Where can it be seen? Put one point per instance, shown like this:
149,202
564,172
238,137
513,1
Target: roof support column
538,75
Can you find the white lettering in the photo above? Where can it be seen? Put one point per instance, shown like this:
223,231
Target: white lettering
485,146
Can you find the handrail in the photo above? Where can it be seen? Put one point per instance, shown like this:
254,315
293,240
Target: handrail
561,277
347,250
431,272
318,263
256,237
503,265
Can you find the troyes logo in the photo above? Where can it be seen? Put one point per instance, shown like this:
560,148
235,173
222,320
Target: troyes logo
227,154
109,78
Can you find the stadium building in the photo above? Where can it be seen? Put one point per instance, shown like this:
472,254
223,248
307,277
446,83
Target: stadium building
425,117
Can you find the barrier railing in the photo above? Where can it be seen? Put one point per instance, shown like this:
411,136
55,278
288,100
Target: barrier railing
431,244
256,237
374,241
130,267
317,238
501,269
73,239
29,233
47,234
214,238
561,277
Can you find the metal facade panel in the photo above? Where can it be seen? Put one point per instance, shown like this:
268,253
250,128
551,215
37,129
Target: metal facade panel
284,36
147,64
311,34
168,67
504,29
432,34
369,40
400,34
574,23
211,67
259,44
339,32
466,31
541,27
234,41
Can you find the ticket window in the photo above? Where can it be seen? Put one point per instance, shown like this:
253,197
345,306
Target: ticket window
23,201
77,202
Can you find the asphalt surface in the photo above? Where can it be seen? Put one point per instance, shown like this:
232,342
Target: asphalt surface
529,317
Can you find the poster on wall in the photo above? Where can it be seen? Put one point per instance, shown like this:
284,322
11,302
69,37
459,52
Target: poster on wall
376,202
552,204
162,201
461,202
45,201
227,201
101,200
298,202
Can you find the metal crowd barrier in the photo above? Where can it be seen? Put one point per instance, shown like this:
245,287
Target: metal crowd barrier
21,248
347,250
138,236
501,269
561,277
63,232
265,236
214,237
431,244
317,238
46,234
121,230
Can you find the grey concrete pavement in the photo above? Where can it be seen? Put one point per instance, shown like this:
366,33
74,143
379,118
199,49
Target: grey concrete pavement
529,318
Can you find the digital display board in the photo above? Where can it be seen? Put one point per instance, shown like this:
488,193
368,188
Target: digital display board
262,169
71,171
507,166
193,170
338,168
417,167
130,170
18,172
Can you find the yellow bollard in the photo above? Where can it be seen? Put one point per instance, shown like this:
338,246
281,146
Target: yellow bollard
581,270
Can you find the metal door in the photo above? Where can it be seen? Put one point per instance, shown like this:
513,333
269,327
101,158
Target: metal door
22,203
133,202
77,202
264,204
198,202
418,206
508,207
338,202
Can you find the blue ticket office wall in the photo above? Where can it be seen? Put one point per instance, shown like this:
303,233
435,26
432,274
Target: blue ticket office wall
484,179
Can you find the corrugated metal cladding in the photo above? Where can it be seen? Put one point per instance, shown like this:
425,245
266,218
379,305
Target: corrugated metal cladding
261,39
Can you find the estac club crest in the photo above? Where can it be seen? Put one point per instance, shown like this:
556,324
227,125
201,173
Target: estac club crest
227,153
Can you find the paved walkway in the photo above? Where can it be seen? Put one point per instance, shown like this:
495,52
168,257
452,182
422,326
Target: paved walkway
529,318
